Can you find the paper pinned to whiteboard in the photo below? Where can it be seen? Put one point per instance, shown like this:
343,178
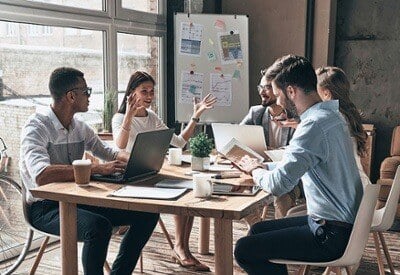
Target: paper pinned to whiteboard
221,88
230,47
191,38
192,86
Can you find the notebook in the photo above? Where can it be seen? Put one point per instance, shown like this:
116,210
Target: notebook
250,135
147,157
219,187
148,192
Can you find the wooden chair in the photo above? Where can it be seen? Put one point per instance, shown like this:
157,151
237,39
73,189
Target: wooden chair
357,242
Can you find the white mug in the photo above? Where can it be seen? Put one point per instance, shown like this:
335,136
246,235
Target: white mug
174,156
202,186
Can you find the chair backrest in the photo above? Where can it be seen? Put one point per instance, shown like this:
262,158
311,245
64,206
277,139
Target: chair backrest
384,217
361,228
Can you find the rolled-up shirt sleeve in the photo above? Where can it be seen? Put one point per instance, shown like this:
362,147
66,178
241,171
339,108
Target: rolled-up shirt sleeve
305,151
34,149
99,148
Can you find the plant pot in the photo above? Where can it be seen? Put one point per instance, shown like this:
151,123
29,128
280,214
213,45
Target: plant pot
200,164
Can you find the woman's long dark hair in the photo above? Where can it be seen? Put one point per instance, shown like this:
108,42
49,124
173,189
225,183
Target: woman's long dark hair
136,79
335,80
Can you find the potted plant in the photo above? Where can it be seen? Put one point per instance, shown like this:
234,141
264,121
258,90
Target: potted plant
110,107
200,149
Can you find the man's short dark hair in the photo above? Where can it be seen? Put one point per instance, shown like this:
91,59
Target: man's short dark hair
62,80
294,70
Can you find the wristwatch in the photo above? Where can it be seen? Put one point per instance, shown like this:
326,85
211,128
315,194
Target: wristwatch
196,119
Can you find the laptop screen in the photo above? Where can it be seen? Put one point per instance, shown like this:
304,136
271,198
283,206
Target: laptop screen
148,152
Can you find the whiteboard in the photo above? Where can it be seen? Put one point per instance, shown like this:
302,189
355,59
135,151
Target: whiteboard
212,55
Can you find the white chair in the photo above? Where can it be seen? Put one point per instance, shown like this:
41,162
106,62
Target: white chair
358,238
383,220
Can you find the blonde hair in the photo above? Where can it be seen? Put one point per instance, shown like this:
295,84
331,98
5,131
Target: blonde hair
335,80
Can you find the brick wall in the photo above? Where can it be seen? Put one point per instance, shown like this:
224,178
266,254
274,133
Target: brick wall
12,119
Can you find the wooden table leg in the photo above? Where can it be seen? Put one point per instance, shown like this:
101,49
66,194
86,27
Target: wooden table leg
68,234
223,246
204,239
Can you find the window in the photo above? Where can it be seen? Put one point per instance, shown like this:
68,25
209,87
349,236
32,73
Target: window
141,5
137,52
12,29
87,4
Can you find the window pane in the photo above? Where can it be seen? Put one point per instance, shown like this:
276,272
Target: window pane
29,53
137,52
141,5
87,4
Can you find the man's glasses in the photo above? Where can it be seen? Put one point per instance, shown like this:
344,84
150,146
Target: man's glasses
261,88
85,91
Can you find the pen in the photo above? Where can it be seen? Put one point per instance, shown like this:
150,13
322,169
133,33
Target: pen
227,175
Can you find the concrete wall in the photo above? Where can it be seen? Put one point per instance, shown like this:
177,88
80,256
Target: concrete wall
276,28
367,48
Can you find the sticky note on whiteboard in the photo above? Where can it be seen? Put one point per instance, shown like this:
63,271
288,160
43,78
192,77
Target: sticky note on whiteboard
236,74
211,56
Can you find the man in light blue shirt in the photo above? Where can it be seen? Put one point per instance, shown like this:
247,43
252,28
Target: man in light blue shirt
321,155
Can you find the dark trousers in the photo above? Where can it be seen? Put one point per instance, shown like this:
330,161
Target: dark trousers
94,228
291,238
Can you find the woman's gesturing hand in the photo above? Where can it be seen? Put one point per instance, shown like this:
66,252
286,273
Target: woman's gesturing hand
199,107
133,104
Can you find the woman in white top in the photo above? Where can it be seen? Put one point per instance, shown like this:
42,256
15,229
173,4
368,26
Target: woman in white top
133,117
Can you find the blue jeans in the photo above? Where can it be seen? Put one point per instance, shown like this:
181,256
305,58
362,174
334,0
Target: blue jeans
296,238
94,228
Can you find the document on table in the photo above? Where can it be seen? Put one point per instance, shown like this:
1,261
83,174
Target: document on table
148,192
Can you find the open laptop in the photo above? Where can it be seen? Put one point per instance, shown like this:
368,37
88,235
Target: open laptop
147,157
250,135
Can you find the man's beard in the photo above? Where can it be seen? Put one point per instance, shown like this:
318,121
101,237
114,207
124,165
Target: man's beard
268,103
291,110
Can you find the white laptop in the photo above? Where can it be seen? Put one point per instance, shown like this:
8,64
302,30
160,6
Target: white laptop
250,135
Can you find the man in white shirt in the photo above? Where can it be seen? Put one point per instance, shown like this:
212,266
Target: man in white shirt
50,141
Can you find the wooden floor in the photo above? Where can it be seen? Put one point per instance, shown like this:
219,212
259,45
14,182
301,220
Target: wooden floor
157,259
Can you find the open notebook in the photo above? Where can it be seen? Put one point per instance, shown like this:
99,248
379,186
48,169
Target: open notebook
235,151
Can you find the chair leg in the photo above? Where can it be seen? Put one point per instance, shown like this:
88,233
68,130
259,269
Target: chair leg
303,270
107,267
386,251
378,254
39,255
164,229
141,262
264,213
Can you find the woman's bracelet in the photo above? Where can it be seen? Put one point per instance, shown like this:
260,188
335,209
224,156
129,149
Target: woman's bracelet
196,119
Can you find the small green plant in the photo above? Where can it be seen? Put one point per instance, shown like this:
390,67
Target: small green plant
201,145
110,107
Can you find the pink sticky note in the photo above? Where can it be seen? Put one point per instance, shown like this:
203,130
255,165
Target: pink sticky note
220,24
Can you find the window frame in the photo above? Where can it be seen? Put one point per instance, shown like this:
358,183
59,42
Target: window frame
110,21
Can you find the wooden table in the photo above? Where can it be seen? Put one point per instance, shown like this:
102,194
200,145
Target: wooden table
224,209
